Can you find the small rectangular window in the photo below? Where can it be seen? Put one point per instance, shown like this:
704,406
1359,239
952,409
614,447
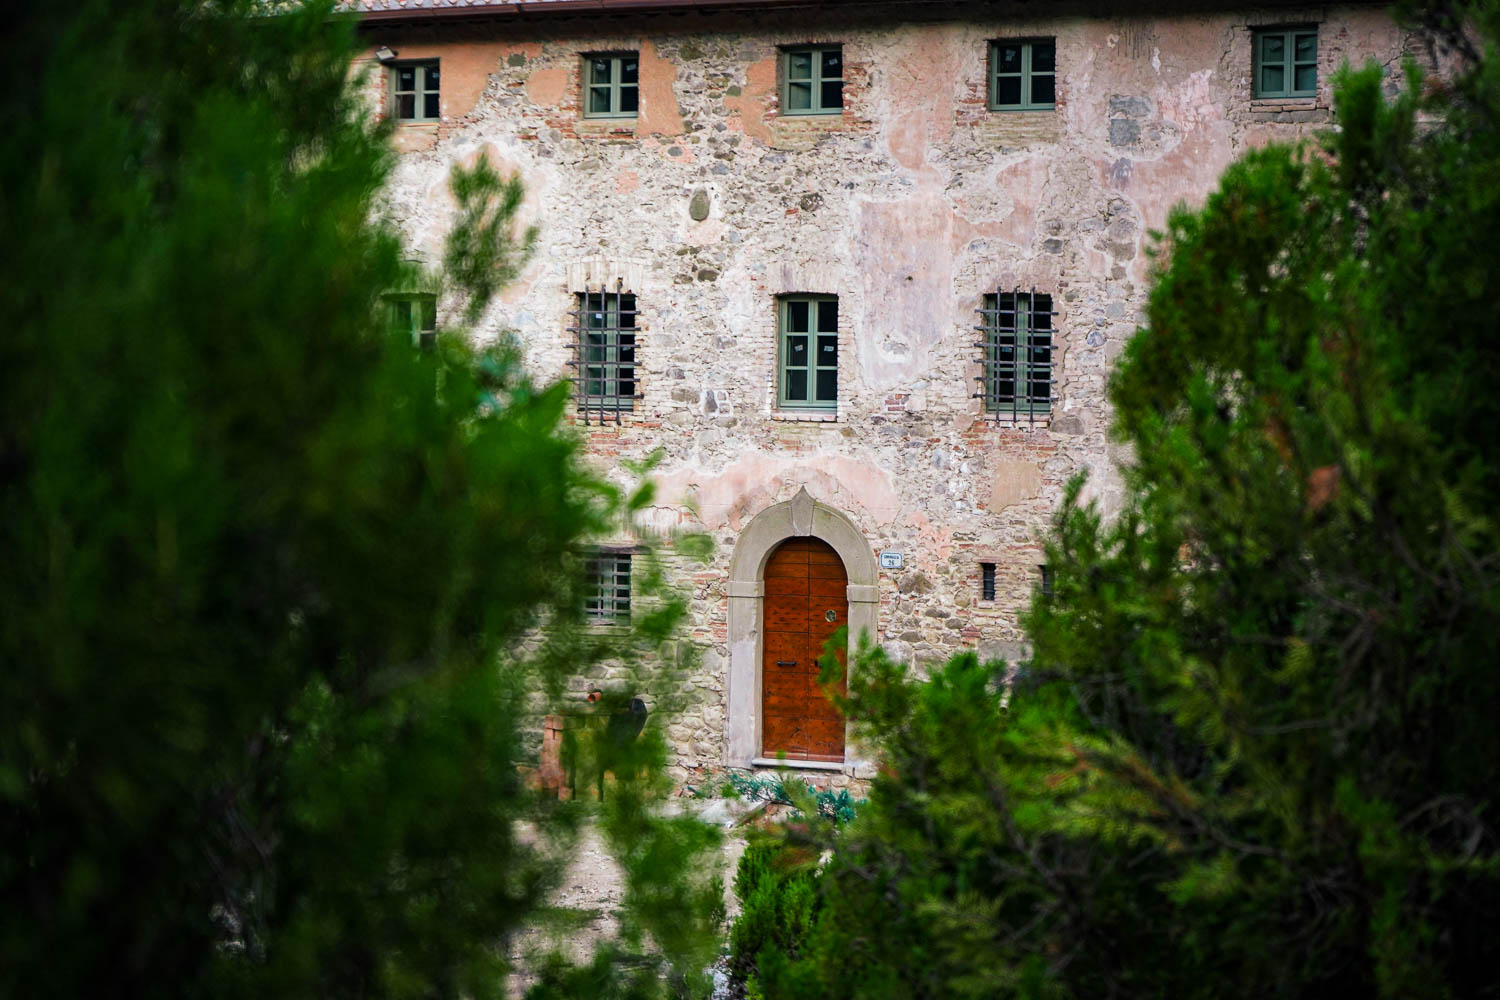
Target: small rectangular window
611,86
1016,366
1286,62
414,91
812,80
607,592
604,328
986,581
1023,75
414,315
808,352
1046,580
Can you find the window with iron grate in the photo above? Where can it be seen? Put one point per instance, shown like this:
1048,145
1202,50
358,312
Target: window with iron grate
986,581
1016,364
604,328
607,593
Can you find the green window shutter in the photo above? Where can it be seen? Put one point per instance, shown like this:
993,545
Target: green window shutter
808,353
612,85
1285,62
415,91
812,80
1023,75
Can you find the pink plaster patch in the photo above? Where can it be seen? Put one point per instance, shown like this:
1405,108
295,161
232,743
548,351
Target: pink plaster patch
627,181
548,87
659,114
748,111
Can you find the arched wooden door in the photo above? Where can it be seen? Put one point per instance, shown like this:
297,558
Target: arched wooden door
807,600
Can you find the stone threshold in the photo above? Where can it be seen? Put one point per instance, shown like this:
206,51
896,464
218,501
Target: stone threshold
806,765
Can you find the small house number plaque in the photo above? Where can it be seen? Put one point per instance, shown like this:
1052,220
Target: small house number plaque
890,560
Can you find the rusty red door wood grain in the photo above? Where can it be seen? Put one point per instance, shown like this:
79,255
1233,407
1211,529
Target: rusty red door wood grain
806,602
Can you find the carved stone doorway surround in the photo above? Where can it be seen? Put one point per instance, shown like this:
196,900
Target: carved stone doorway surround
798,517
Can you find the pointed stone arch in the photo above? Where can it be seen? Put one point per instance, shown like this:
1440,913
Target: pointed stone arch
800,516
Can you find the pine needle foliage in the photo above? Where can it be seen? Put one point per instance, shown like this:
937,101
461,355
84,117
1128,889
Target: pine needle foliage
282,591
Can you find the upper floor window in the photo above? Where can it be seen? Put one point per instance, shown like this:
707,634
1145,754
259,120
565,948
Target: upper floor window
812,80
808,349
1016,367
1023,75
606,352
414,91
612,85
416,316
1286,62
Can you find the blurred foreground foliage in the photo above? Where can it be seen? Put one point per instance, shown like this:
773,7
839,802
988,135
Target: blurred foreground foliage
1254,751
281,592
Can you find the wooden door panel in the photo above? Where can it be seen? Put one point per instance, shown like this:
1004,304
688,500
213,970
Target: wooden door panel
783,648
804,580
829,590
787,586
786,615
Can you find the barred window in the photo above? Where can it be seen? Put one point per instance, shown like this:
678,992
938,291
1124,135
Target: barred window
607,593
986,581
604,325
1016,366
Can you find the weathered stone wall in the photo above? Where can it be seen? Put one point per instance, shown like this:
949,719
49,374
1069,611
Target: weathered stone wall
910,207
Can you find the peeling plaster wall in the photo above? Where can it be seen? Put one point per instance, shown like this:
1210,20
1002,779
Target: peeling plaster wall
910,207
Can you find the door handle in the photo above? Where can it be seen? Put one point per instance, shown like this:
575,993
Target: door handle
786,663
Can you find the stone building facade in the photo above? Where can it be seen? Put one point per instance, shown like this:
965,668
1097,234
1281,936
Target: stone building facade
706,204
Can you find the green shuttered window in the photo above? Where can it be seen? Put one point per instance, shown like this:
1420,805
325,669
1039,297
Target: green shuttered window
1286,62
416,316
1023,75
612,85
808,348
414,92
812,80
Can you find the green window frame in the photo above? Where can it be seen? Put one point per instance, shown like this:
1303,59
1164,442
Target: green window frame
612,85
414,91
1016,367
807,363
812,80
414,315
1286,62
1023,74
606,595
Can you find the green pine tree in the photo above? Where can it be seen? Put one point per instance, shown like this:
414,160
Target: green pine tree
283,593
